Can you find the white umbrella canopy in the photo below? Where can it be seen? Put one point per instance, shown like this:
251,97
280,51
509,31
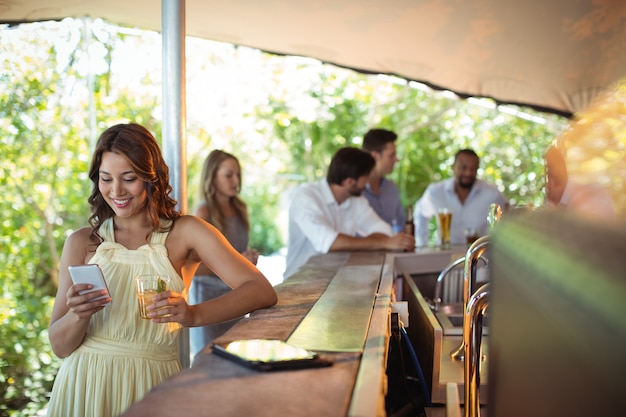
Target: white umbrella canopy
555,55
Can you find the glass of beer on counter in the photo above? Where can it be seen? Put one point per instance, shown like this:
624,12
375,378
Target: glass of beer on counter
444,221
147,287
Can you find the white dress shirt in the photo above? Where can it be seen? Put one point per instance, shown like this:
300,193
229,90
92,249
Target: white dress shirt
316,219
472,214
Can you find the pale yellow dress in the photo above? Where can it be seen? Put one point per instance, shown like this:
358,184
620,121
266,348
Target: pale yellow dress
123,356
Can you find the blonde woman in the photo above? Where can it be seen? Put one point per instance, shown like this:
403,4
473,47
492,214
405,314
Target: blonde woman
220,186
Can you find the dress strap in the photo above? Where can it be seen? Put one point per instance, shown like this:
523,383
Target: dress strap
106,230
159,237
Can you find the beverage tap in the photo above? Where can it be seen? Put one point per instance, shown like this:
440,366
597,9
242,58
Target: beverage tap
472,339
474,253
437,300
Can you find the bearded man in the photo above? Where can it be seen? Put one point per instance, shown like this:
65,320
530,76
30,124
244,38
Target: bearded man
463,195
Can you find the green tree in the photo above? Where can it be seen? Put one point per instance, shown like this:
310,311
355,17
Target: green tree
40,167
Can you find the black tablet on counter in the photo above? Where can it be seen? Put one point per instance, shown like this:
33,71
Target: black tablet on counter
269,355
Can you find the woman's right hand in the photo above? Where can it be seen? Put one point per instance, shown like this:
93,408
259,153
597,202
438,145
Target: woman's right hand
72,311
85,305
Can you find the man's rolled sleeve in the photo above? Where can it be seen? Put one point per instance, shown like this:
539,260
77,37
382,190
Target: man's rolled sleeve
315,227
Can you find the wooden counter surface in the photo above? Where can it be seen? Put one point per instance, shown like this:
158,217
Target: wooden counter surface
354,385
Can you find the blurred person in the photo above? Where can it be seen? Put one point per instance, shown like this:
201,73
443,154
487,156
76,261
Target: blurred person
112,356
221,206
465,196
593,147
332,215
562,191
382,193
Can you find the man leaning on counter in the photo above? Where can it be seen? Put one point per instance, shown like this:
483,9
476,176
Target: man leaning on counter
332,215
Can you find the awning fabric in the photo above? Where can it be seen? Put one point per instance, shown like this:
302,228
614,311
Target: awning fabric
550,54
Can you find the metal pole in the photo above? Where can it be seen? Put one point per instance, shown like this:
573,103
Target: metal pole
174,97
174,139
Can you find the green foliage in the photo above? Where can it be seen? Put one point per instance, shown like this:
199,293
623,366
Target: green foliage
324,118
27,367
263,206
40,168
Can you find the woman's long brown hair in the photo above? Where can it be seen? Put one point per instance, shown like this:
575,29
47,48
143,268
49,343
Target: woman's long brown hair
136,144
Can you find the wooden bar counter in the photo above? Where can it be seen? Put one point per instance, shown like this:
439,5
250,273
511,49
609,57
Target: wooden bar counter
355,384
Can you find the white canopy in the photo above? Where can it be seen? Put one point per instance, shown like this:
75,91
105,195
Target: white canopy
551,54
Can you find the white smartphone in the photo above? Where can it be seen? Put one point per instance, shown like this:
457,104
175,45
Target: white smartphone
89,274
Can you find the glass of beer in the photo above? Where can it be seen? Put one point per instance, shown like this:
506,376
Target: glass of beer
147,287
444,221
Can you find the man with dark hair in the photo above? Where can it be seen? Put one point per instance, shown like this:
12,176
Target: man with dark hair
382,193
465,196
332,215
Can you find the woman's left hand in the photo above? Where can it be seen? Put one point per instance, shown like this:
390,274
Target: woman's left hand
169,306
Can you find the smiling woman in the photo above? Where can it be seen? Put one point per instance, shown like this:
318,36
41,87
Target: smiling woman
135,230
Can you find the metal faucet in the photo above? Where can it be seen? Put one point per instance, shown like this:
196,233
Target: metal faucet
472,339
474,252
439,283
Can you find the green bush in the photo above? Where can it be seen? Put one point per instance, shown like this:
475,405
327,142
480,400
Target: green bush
27,367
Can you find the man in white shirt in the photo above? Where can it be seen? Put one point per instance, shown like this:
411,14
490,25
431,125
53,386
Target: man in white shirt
332,215
465,196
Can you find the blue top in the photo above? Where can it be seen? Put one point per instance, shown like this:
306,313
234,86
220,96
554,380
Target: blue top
387,204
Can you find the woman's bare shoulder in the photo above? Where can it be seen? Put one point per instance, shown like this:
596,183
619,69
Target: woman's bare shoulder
192,233
79,243
187,220
80,236
189,223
